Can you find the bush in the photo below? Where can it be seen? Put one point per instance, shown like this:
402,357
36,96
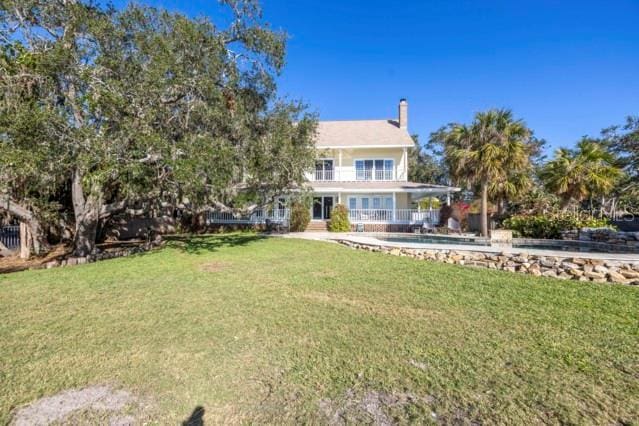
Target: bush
300,217
339,219
551,226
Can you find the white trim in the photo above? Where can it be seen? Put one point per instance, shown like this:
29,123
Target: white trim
362,146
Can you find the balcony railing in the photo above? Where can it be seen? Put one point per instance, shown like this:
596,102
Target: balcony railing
348,174
374,175
257,217
396,216
324,175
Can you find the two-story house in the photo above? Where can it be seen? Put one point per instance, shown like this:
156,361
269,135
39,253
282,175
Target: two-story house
363,164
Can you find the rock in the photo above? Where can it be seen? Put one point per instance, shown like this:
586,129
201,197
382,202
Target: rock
629,274
395,252
616,277
550,273
576,272
594,275
601,269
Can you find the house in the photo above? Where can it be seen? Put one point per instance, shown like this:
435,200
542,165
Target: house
363,164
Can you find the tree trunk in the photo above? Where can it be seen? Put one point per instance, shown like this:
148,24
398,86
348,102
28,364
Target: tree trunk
87,216
484,209
34,241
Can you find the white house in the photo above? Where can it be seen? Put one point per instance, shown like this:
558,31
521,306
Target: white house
363,164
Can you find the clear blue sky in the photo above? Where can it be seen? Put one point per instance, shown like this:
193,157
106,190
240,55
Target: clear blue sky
568,68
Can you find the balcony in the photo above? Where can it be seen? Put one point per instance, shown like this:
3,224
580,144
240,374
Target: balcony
350,174
373,175
324,175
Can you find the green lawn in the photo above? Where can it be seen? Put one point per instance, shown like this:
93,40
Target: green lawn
282,330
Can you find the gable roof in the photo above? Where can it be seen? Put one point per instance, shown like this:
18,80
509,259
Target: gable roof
360,133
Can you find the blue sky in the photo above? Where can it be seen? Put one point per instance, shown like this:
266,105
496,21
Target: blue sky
568,68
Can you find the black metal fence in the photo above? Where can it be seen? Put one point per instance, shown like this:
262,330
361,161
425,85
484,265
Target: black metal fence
10,236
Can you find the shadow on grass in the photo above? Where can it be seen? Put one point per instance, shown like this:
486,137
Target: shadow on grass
207,243
196,418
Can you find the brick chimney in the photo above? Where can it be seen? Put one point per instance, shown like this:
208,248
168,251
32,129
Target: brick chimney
403,114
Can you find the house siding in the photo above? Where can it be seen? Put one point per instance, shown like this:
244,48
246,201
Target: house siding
347,170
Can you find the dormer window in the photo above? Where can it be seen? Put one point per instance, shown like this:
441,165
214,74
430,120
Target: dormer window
374,169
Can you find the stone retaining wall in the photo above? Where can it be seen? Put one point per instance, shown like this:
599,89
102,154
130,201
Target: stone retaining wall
566,268
609,236
107,254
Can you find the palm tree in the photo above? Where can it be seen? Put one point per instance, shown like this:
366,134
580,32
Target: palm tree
574,175
490,151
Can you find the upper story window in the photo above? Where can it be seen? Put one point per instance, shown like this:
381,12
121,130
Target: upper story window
374,169
324,170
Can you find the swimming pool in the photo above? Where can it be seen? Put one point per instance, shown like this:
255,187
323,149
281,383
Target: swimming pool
518,243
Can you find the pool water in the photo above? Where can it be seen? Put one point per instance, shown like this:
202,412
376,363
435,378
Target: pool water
519,243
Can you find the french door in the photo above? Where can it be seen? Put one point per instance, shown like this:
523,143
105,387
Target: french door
322,207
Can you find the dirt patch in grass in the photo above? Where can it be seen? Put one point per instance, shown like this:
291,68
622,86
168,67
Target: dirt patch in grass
373,407
101,403
214,266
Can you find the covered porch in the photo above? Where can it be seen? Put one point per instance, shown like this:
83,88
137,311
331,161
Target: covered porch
379,202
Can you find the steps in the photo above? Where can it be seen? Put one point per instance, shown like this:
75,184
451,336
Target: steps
316,226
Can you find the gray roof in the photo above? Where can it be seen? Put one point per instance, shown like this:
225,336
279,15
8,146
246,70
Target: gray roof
381,186
373,133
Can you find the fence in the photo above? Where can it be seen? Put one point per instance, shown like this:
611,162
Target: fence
10,237
257,217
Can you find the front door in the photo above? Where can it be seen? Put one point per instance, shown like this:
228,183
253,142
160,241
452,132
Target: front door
322,207
328,207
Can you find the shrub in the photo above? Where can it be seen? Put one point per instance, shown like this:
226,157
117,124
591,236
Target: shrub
300,217
551,226
339,219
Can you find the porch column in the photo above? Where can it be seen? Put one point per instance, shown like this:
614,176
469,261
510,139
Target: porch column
448,198
405,159
339,198
394,205
339,170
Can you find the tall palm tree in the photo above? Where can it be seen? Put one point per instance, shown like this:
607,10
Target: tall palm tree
489,151
576,174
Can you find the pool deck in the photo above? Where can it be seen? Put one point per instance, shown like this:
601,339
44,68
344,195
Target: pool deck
370,239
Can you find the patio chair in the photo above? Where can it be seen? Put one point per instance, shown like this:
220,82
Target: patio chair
454,226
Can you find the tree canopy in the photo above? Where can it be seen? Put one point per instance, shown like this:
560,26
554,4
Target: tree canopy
576,174
104,109
493,152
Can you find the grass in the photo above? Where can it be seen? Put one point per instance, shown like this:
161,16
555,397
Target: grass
282,330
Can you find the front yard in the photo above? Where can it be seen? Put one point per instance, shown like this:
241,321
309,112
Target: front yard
282,330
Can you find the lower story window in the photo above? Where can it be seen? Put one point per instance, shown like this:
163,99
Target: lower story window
376,202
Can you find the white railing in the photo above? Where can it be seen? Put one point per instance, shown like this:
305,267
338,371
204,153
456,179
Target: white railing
257,217
395,216
373,174
348,174
10,236
323,175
